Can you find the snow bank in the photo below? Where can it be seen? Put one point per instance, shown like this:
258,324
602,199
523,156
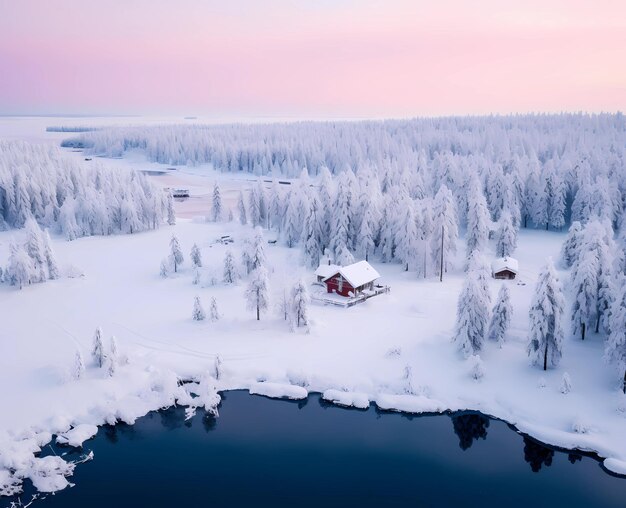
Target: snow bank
348,399
410,403
78,435
279,391
616,466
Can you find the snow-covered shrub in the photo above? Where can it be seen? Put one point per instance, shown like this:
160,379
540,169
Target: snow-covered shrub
393,352
477,367
566,384
541,382
197,275
580,426
407,378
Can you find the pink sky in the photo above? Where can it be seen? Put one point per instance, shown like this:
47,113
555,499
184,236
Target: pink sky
311,58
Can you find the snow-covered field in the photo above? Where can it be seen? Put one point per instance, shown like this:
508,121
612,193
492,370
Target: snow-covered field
352,355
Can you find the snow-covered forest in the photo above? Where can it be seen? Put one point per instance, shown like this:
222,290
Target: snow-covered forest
38,181
225,296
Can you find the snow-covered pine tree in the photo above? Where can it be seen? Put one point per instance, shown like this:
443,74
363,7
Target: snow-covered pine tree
241,207
171,215
79,366
258,257
406,238
445,231
196,256
214,314
343,256
545,339
36,251
572,245
97,348
615,348
20,268
112,359
217,210
472,316
51,261
230,270
585,287
198,313
478,220
300,304
501,316
291,220
312,234
257,293
176,254
506,236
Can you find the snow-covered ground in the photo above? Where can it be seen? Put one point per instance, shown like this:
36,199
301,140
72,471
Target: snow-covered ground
351,355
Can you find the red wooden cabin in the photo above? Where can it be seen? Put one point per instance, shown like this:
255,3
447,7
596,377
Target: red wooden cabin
352,279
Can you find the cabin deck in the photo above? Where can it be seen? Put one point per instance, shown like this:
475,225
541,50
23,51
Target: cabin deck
321,296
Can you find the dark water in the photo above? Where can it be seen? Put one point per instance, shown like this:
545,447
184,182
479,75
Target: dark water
263,452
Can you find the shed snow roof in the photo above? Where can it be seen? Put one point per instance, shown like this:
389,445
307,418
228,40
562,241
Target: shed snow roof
326,271
357,274
506,263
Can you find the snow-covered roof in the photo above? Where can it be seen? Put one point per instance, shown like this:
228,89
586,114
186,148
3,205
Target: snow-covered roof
327,270
506,263
357,274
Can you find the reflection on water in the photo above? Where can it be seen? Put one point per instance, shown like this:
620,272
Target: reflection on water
263,452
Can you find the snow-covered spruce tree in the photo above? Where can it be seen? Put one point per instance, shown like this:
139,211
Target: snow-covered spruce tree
97,349
197,276
258,257
300,304
406,238
79,366
171,215
545,339
196,256
501,316
472,317
506,236
340,219
164,269
176,254
445,231
585,288
217,210
312,234
343,256
230,270
566,384
291,220
214,314
20,269
257,293
241,209
198,313
478,220
478,266
36,251
51,261
368,231
572,245
112,359
615,348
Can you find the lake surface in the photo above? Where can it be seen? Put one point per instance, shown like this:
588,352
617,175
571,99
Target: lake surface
263,452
